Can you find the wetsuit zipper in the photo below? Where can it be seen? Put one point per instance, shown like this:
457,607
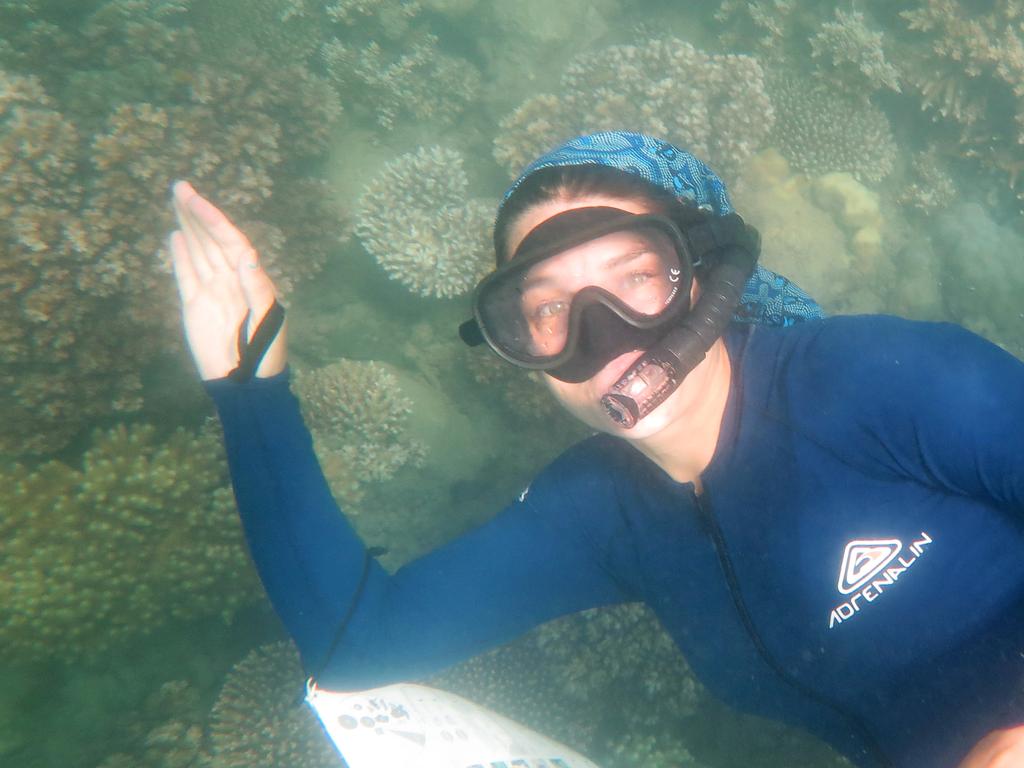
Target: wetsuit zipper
711,527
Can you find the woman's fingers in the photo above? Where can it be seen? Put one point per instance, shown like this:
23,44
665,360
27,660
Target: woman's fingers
184,271
220,234
191,233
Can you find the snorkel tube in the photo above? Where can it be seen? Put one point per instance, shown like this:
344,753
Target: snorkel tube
660,371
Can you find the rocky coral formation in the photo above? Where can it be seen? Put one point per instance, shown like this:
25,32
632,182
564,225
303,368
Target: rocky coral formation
417,83
89,302
143,533
357,414
259,720
821,131
854,52
714,106
416,218
803,241
600,681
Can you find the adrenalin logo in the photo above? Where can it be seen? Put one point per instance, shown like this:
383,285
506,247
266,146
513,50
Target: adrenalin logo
868,570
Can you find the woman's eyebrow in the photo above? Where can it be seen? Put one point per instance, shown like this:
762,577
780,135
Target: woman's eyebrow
539,281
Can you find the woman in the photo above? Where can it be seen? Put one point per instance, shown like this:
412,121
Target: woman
824,514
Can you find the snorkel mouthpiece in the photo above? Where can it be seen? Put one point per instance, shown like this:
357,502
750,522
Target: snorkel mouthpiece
655,376
660,371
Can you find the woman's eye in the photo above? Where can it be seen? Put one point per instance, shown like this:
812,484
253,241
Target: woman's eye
639,278
549,309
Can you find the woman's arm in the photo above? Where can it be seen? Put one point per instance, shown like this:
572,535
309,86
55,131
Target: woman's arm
536,561
931,401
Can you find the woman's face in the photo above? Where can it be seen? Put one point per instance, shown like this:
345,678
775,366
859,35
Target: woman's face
588,265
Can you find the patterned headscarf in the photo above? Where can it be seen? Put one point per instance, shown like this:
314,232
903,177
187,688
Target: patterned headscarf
767,298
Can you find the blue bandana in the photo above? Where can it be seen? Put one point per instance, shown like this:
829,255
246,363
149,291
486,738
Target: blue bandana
768,298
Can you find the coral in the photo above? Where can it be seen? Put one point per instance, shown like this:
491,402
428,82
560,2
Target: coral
522,391
417,84
931,187
661,751
803,241
143,533
259,721
714,106
968,66
594,680
854,52
415,218
766,22
391,17
286,30
357,414
89,303
166,733
820,131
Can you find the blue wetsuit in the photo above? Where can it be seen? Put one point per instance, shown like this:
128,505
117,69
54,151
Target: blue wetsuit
855,564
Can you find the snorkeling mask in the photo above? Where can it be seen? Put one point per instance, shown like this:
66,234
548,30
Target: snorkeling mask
590,284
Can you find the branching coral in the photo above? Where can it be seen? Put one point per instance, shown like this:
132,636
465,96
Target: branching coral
88,302
416,219
257,721
144,532
357,414
820,131
714,106
975,60
854,51
420,83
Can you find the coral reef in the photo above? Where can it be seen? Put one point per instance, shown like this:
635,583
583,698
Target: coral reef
598,681
968,68
389,17
143,533
418,83
768,23
854,52
820,131
714,106
357,414
87,172
259,721
416,219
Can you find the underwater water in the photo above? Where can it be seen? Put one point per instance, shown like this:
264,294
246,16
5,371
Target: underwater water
363,145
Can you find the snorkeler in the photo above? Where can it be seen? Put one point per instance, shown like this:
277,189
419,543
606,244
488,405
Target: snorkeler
824,513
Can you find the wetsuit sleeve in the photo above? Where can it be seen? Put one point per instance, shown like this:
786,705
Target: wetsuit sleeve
539,559
929,401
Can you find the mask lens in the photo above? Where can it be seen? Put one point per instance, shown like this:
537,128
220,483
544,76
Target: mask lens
530,308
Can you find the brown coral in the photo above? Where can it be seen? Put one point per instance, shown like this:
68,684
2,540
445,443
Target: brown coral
417,219
144,532
258,720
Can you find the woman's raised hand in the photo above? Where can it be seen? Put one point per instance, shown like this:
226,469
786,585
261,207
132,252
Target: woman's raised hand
219,280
